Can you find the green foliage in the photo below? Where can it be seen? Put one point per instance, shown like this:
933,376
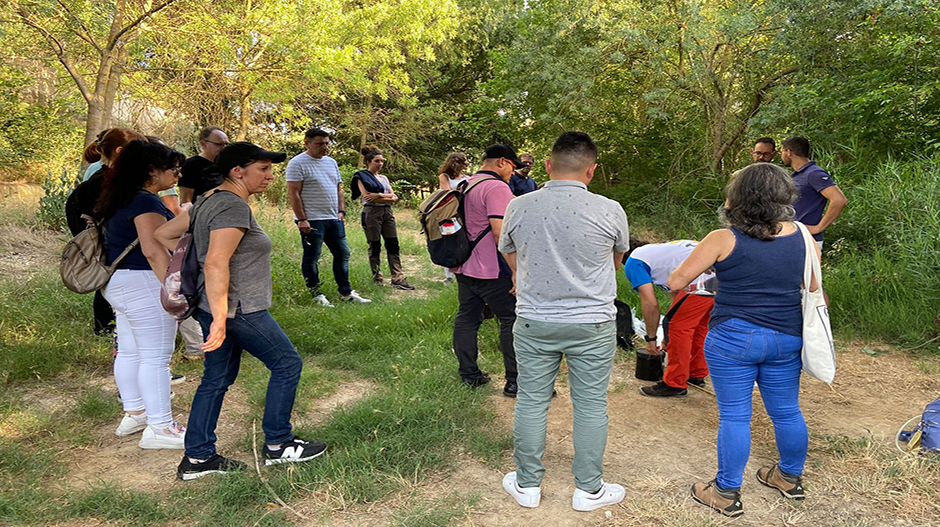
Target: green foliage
56,191
884,265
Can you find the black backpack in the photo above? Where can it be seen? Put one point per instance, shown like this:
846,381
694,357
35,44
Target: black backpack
443,222
625,330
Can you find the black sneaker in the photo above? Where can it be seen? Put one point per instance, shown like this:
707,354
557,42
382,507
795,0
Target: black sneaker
176,378
293,451
403,285
483,379
698,381
662,389
216,464
511,389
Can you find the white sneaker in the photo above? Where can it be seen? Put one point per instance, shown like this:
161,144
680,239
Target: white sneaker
322,300
610,494
528,497
171,437
354,297
131,424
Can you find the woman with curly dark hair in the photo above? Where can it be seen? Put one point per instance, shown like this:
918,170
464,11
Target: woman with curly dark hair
146,334
755,331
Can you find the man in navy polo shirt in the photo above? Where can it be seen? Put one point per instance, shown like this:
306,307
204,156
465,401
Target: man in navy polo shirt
816,188
520,183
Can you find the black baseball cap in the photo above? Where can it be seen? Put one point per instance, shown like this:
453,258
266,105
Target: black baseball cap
241,153
498,151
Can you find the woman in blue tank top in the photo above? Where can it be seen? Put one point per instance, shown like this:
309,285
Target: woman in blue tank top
755,331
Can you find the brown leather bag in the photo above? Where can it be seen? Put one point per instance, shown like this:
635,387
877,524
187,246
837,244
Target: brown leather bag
83,266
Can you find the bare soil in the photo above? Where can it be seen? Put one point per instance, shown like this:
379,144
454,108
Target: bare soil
658,448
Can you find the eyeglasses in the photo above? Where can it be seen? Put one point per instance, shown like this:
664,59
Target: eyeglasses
216,144
175,170
763,154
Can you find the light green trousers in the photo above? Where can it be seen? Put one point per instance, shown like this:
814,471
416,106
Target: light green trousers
589,350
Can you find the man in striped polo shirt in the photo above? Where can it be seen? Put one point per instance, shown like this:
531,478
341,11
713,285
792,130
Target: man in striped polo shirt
315,189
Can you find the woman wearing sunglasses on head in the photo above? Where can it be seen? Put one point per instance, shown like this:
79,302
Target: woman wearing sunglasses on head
132,211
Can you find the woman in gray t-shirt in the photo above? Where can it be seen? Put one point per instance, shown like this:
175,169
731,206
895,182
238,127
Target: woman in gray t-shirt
235,278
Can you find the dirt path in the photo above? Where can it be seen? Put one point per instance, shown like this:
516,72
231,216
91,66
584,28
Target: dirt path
657,448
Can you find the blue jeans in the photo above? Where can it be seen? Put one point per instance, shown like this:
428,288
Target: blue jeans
258,334
333,233
738,354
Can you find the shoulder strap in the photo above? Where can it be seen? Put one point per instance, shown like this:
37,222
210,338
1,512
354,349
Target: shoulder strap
192,211
672,311
468,186
811,264
126,250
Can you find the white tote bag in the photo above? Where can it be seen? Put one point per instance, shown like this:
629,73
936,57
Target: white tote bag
819,354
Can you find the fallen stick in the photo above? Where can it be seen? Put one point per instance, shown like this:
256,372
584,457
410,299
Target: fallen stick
702,388
254,450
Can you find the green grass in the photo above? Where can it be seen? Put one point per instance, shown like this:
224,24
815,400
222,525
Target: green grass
410,426
445,511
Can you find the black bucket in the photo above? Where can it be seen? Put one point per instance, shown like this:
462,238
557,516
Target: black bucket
649,367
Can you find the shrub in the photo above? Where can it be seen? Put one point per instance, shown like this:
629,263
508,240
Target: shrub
56,190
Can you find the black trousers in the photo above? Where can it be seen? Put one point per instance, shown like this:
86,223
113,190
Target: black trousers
104,315
474,294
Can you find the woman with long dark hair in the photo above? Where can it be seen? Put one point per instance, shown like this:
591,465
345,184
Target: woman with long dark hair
755,331
378,221
131,211
234,256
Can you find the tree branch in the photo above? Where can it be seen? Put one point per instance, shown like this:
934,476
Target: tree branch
59,51
112,41
84,34
756,103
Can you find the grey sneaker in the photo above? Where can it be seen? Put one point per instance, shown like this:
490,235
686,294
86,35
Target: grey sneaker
321,300
354,297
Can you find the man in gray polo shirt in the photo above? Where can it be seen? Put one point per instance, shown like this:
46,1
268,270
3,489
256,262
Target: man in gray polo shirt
315,189
565,245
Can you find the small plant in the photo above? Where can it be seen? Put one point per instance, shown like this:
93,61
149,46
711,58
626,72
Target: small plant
56,190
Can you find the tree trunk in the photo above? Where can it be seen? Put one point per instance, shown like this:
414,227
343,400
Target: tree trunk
95,121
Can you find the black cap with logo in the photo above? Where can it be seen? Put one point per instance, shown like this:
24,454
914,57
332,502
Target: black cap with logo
498,151
241,153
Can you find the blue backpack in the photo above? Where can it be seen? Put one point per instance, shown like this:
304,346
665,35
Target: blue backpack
927,432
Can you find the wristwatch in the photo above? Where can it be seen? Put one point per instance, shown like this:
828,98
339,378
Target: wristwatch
648,338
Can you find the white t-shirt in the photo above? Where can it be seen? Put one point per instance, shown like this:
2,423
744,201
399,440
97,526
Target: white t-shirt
654,263
320,178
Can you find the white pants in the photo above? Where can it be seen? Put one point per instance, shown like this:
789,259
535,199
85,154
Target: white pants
146,336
